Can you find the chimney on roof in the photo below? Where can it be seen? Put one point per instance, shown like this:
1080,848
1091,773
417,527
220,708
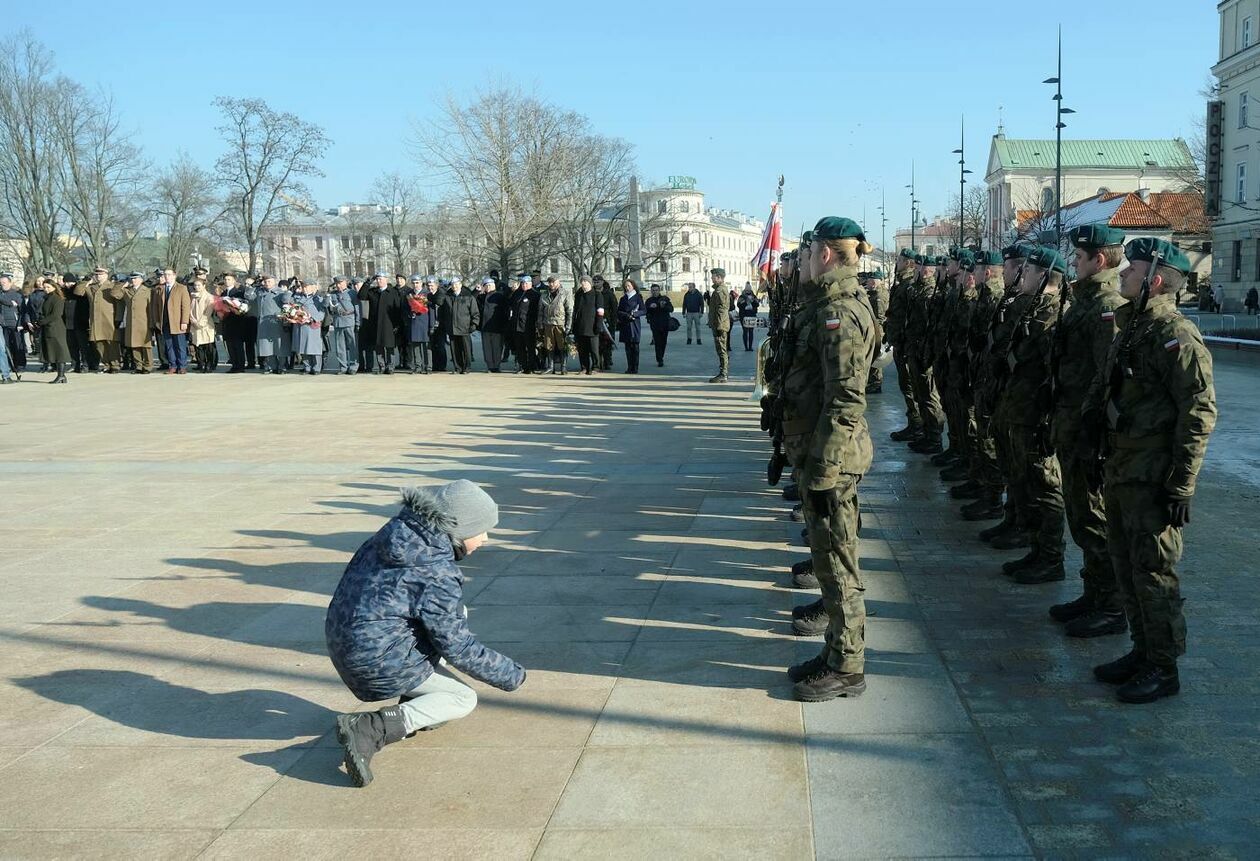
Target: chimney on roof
1145,194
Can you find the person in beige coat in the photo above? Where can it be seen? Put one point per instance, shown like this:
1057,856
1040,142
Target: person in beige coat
201,327
105,299
170,309
137,331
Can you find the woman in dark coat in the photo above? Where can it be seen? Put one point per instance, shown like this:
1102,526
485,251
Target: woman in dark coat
423,319
630,312
588,319
747,305
659,312
52,328
383,320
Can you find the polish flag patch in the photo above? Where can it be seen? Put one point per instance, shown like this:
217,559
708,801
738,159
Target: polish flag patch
1172,346
833,324
1109,315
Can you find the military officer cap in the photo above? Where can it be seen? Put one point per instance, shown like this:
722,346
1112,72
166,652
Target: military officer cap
988,258
159,272
355,282
6,275
878,274
339,279
416,278
1095,236
1045,257
954,252
266,275
135,275
719,272
834,227
806,238
920,259
524,279
1148,247
485,282
785,256
101,269
908,253
201,270
966,259
48,273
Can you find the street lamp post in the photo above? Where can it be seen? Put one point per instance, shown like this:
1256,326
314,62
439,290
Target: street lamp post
883,228
961,152
1059,126
914,212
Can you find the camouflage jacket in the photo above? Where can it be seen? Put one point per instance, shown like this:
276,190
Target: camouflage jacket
1085,334
942,316
898,310
836,345
802,387
988,296
918,319
1023,397
964,311
1163,409
995,365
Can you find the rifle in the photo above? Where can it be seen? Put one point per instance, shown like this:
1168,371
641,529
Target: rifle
1003,367
783,358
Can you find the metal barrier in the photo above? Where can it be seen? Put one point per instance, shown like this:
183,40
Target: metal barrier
1233,317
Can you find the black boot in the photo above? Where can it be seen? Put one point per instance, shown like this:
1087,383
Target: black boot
948,457
1011,539
957,471
828,684
1149,684
802,671
1098,623
803,575
927,444
1042,571
906,434
1001,529
1119,671
1029,558
792,493
987,507
797,514
969,489
810,619
1074,609
363,734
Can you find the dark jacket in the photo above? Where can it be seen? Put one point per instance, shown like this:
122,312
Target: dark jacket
422,317
610,306
77,312
52,326
659,311
398,609
525,304
384,317
459,314
496,316
747,305
693,302
11,307
586,315
629,316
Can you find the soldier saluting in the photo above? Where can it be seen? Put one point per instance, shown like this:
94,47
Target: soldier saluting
1154,400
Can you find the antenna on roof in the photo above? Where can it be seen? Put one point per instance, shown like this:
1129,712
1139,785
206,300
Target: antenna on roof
1001,126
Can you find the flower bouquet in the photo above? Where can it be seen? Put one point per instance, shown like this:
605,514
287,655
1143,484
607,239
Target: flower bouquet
294,314
226,306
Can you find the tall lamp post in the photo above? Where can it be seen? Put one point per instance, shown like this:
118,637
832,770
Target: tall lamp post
961,152
1059,126
914,210
883,229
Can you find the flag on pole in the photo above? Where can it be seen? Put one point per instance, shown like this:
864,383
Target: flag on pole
766,260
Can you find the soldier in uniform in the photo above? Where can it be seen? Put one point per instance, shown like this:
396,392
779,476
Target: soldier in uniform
1023,410
825,420
894,335
104,298
1155,399
940,320
137,328
918,324
986,477
720,323
1084,335
957,328
877,295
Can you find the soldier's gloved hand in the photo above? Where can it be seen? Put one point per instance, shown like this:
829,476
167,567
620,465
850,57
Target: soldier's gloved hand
1178,511
825,502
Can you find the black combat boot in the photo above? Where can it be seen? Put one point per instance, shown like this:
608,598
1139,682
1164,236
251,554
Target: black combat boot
803,575
1097,623
805,669
957,471
810,619
362,735
797,514
828,684
1012,539
1149,684
792,493
907,433
969,489
1120,670
1007,525
987,507
1074,609
1044,570
1029,558
948,457
927,444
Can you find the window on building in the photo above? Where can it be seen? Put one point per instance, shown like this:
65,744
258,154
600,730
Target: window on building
319,243
345,245
553,266
1240,188
432,267
293,243
663,266
428,242
465,265
1244,102
321,269
685,206
369,242
1237,261
686,264
415,267
358,241
1246,32
616,264
663,237
358,269
661,206
686,238
371,267
271,245
412,241
347,269
297,270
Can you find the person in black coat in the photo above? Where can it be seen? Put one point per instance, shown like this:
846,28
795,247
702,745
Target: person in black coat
588,320
747,306
525,325
659,312
610,314
496,315
460,317
52,328
78,318
630,312
384,309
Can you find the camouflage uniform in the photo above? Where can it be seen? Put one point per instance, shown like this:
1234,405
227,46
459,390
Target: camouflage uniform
720,323
877,295
918,361
894,334
942,313
957,338
835,348
984,462
1159,417
1085,335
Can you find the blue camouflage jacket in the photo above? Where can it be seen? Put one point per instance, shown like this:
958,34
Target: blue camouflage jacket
398,610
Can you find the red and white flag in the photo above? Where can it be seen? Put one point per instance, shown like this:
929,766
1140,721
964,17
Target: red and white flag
766,259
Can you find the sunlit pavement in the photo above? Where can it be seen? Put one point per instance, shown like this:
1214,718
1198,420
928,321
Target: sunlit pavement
171,544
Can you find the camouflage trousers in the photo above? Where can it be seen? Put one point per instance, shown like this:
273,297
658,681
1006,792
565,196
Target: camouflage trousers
925,395
1037,491
833,547
907,387
1004,458
722,350
1087,522
962,423
984,457
1144,551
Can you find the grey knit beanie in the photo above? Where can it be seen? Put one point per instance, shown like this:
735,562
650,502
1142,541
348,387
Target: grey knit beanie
461,509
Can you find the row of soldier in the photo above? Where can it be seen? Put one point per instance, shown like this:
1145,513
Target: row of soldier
1088,401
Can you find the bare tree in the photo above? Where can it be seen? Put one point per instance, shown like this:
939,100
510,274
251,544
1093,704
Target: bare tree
593,202
185,204
506,159
975,215
268,154
30,94
400,200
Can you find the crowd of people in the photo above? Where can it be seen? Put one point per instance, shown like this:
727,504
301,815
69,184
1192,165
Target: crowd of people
140,323
1089,401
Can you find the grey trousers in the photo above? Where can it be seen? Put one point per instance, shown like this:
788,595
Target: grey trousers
492,349
440,698
344,349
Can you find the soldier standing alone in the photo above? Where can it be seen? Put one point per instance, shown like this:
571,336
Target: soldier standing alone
720,324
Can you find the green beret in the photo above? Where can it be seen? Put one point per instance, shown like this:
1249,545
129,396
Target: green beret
1148,247
954,251
1095,236
1018,251
806,238
1047,258
834,227
878,274
721,273
920,259
785,256
966,259
941,260
988,258
908,253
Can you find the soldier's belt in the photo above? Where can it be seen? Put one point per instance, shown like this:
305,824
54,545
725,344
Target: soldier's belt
1139,443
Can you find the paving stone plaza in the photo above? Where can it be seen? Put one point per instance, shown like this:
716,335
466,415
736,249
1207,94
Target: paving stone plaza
170,546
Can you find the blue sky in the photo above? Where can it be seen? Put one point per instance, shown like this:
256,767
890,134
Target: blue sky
700,88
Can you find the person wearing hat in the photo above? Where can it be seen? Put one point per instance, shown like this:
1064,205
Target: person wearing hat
826,438
1154,404
343,309
555,319
52,328
877,293
524,323
12,322
987,484
396,622
609,299
495,321
438,295
1023,409
918,362
1085,334
266,299
943,309
960,309
233,326
720,324
78,311
422,320
136,328
894,335
461,316
382,308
